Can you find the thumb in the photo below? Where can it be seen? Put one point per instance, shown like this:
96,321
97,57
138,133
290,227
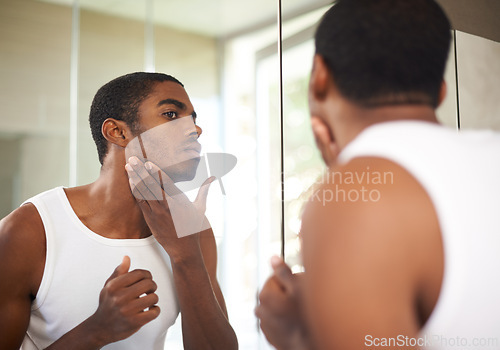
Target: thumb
124,266
283,274
201,197
121,269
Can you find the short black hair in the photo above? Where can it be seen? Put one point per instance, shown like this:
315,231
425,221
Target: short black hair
120,99
383,52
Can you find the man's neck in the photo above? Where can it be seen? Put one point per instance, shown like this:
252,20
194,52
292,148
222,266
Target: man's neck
107,205
352,119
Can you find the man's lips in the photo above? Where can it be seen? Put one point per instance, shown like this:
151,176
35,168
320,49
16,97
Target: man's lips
196,147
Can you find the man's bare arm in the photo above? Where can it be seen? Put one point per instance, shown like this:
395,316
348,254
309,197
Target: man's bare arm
367,275
22,256
22,260
168,211
204,317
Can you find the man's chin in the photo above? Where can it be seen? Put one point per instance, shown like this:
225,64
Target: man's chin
185,171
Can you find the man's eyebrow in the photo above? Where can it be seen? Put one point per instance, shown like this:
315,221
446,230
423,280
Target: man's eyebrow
172,101
177,103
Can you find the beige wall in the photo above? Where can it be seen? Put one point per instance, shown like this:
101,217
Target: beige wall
34,98
35,56
112,46
34,69
479,82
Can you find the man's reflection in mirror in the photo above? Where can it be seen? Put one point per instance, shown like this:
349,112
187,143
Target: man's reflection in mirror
112,263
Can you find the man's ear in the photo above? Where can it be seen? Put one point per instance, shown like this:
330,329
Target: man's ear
116,131
325,141
320,78
442,92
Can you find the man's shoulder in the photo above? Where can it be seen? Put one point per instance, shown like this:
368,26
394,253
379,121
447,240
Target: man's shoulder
23,227
22,248
364,182
370,221
372,200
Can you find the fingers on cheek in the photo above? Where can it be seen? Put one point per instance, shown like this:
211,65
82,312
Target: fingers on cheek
148,183
137,172
132,177
135,191
130,171
134,181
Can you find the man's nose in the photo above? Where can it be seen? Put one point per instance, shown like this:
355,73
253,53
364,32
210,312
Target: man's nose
198,130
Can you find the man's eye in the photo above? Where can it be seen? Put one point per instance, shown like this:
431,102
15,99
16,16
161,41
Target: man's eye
171,115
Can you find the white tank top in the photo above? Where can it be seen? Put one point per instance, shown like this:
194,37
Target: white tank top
460,171
78,263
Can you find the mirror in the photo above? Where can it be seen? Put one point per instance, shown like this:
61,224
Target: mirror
57,53
478,67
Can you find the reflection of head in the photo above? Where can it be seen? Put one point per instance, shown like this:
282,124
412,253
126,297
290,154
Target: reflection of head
383,52
120,99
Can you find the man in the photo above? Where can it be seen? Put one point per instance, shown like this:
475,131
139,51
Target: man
401,241
95,266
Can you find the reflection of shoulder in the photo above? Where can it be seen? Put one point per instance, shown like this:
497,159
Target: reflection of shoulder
373,190
22,245
371,251
372,202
